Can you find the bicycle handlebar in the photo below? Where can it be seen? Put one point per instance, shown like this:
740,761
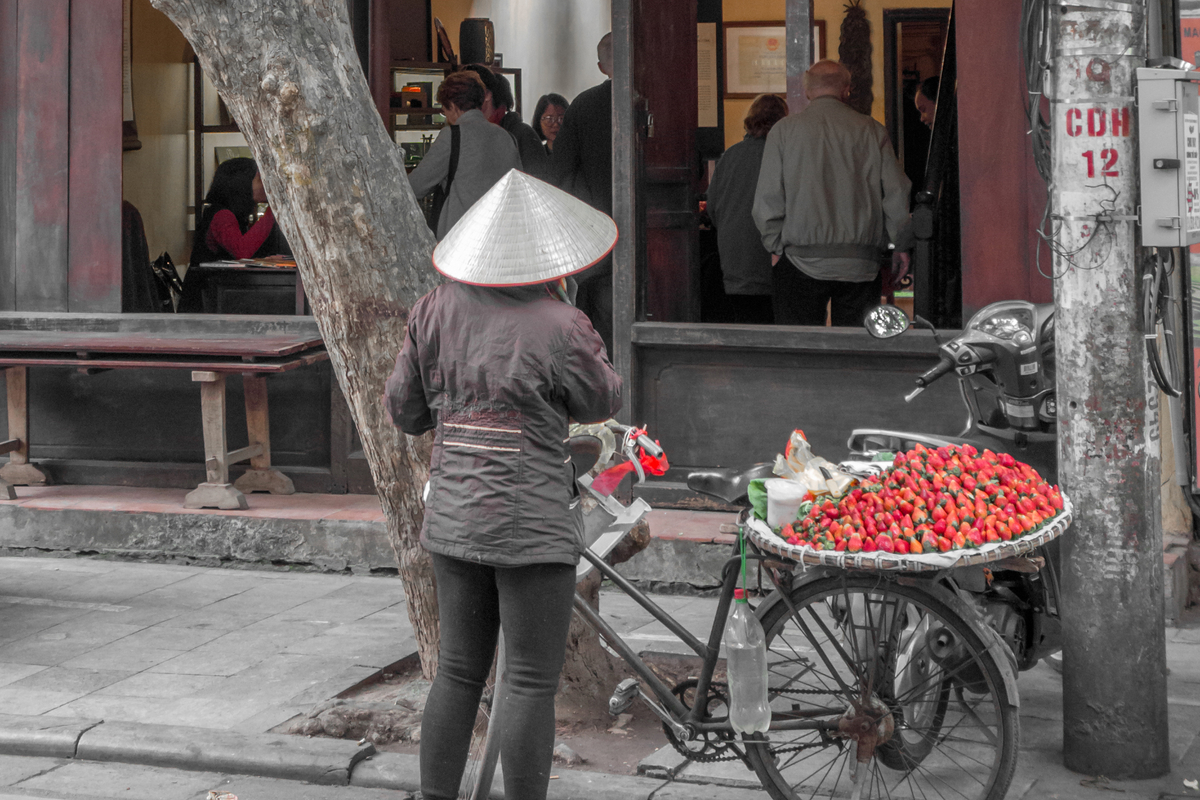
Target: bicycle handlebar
644,441
649,446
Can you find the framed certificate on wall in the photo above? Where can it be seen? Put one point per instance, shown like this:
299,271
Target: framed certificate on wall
756,57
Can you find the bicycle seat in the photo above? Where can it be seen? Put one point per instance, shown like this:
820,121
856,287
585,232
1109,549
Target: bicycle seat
585,452
730,484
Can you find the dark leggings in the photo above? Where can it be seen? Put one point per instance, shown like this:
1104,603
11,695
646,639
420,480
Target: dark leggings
533,604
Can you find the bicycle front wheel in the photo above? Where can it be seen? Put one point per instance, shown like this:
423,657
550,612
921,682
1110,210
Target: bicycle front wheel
914,703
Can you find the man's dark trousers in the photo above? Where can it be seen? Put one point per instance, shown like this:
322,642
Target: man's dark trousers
801,300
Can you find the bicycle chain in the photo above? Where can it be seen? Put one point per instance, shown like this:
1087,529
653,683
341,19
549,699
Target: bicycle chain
721,748
724,750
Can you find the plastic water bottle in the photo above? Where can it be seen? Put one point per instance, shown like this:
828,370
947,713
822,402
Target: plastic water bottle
746,663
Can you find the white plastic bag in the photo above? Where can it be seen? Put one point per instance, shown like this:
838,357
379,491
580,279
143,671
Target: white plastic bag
816,474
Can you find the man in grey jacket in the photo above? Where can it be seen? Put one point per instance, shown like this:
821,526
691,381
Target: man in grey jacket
830,198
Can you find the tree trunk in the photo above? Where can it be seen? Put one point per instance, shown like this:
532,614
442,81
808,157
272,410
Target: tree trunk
591,672
290,76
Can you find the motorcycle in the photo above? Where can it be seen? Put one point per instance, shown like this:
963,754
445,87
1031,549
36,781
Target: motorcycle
1004,360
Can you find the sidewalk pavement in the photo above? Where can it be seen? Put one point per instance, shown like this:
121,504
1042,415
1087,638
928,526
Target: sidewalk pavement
187,668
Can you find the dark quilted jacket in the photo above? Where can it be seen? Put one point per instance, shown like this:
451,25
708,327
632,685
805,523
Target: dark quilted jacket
497,372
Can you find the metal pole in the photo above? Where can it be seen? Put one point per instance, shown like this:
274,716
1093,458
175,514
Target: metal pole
1114,653
625,201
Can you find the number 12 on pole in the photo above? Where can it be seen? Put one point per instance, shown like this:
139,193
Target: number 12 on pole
1108,165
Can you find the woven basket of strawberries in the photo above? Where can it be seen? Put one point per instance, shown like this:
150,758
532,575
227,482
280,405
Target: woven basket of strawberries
931,509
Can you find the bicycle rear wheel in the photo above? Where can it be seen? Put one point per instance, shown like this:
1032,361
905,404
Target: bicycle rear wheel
911,663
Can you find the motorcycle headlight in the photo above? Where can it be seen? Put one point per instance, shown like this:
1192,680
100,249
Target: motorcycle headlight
1008,324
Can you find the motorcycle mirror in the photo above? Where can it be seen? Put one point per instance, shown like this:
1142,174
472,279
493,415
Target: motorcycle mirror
886,322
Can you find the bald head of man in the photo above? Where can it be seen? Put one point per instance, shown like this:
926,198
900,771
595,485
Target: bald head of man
827,79
604,54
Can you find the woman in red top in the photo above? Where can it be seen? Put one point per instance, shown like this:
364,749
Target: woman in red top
225,230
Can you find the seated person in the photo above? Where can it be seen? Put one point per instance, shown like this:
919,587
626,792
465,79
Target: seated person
225,230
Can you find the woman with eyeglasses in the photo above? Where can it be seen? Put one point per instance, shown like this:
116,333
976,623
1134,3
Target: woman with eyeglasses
548,118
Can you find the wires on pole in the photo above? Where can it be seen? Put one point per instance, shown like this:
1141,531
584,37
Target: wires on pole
1036,56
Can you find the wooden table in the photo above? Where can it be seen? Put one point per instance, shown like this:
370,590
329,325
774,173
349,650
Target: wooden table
231,288
210,358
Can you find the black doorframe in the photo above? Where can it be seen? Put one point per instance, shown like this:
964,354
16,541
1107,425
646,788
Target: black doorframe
893,113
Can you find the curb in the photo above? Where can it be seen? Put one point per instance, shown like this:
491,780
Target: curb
51,737
402,772
311,760
318,761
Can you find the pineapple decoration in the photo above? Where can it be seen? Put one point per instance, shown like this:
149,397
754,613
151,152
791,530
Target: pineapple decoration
854,51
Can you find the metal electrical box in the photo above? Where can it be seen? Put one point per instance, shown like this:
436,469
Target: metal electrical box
1168,112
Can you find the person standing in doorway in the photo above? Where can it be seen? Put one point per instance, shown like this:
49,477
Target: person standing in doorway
831,196
582,165
926,100
745,264
548,118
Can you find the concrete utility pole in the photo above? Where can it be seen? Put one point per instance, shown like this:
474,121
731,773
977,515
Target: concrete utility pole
1114,655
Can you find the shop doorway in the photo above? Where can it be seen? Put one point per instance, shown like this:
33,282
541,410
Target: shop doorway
914,40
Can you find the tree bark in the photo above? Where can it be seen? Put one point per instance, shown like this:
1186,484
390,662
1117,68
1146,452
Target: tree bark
290,76
590,672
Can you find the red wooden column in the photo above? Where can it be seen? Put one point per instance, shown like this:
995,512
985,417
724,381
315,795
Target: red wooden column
42,146
8,151
95,156
380,77
1002,195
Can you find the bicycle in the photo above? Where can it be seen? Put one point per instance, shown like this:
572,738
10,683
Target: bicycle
881,685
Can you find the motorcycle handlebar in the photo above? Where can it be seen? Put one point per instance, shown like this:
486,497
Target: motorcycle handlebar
940,369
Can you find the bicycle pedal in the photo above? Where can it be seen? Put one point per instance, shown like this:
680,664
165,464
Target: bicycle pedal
623,696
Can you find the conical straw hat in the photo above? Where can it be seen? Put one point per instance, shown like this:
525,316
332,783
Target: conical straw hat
524,231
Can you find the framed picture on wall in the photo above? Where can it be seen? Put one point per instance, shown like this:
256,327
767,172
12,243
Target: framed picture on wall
756,57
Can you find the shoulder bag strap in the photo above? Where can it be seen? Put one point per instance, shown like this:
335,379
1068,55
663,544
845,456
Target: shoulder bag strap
455,138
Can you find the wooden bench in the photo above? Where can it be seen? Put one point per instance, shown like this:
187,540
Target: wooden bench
210,358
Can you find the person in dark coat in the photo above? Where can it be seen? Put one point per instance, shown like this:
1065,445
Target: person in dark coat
497,362
745,263
582,161
582,165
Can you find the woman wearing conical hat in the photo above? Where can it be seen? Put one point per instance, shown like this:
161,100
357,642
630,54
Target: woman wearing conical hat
497,361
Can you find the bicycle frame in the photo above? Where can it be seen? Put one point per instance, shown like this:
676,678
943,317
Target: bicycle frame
708,652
